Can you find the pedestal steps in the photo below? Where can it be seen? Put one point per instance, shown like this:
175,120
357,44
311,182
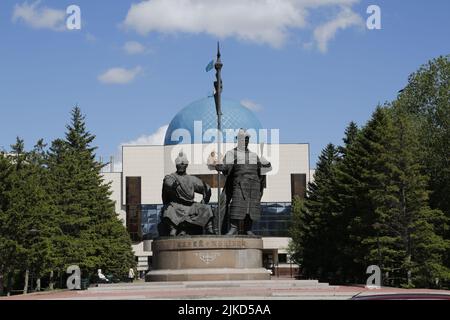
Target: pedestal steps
265,284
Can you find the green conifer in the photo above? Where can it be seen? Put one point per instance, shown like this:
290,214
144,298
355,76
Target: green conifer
92,235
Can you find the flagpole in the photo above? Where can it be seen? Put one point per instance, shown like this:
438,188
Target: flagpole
218,99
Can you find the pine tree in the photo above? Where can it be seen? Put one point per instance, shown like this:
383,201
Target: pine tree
297,230
390,222
347,187
407,229
46,224
375,158
92,235
319,221
9,249
383,199
351,133
27,218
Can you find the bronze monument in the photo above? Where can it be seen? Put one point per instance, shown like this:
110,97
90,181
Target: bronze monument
181,215
198,257
243,187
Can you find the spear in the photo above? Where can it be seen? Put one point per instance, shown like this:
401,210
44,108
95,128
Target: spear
218,100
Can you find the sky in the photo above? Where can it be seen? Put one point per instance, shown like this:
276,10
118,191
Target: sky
306,67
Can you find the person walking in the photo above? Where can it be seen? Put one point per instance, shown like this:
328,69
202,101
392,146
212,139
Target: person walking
131,275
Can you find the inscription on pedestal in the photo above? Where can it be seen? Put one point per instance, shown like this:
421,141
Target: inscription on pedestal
214,243
210,244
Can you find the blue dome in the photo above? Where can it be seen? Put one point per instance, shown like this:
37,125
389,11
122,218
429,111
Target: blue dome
235,116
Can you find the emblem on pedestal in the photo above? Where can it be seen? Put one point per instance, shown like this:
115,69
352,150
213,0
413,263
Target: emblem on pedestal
207,257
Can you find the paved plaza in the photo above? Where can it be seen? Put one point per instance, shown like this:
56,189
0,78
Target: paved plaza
228,290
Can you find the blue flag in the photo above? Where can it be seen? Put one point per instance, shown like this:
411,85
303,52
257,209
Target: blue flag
210,66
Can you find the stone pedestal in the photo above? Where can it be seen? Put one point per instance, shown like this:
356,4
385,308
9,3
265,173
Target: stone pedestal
207,258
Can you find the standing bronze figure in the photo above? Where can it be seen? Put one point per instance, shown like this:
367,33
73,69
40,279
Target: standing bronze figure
181,215
243,187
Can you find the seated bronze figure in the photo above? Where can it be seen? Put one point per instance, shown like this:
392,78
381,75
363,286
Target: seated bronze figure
181,215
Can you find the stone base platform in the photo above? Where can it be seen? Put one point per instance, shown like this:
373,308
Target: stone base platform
207,258
207,275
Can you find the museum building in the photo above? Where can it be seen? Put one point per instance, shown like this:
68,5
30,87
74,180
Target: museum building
137,189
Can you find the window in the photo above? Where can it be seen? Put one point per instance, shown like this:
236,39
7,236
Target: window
150,220
275,220
298,185
282,258
133,207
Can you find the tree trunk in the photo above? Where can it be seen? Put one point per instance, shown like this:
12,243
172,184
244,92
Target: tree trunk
38,284
9,284
1,285
409,273
51,284
409,278
25,287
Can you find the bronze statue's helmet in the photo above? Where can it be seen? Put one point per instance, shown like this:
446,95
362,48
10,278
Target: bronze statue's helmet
242,136
181,159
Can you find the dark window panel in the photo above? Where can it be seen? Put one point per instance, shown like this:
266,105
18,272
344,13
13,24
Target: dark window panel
298,185
133,207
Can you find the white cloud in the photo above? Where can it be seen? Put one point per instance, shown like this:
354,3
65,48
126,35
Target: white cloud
251,105
39,17
154,139
260,21
134,47
326,32
119,75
